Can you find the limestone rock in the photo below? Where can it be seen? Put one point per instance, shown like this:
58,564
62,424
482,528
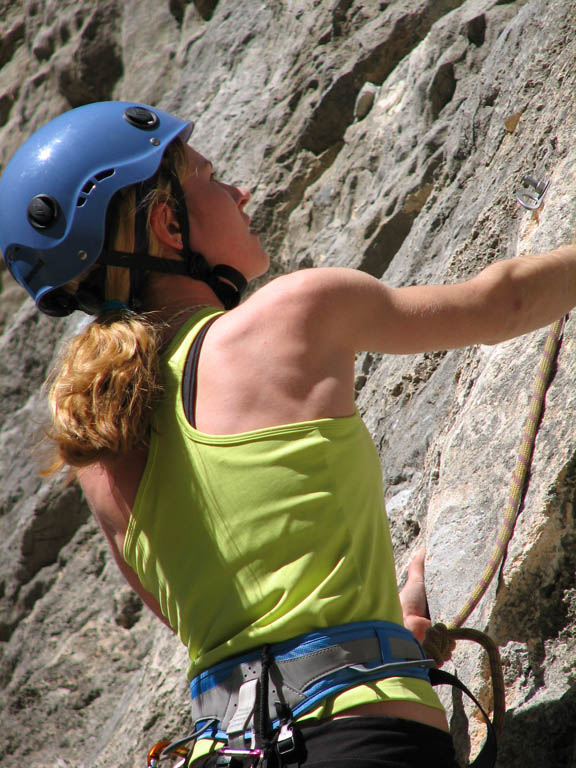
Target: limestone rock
416,184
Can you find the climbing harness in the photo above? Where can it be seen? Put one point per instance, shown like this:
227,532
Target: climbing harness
249,704
304,671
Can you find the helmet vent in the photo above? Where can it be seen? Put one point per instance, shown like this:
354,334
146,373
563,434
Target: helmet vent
141,117
43,211
91,184
104,174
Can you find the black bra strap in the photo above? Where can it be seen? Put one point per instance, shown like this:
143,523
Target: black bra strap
190,375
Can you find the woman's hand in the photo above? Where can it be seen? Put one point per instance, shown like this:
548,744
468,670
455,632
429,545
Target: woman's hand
413,598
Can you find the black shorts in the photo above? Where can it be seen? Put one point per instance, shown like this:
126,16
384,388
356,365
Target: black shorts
369,742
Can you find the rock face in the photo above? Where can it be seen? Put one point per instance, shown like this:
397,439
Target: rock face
386,136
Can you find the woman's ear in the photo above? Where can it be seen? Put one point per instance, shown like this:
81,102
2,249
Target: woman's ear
165,226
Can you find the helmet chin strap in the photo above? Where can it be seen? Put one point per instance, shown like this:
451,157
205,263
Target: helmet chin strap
227,283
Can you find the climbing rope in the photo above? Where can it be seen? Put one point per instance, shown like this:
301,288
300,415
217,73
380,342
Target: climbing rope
440,638
518,485
440,642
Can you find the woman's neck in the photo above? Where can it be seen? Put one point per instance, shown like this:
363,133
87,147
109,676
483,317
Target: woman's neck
172,299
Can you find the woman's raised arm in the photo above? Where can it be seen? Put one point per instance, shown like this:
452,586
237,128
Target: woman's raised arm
506,299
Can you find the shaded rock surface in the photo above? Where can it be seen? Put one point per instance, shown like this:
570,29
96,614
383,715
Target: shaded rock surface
386,136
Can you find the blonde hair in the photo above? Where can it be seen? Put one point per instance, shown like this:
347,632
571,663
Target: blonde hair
106,382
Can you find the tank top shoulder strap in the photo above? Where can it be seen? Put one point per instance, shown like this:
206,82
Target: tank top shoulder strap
190,375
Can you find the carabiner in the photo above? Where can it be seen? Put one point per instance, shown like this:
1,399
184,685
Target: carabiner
153,759
156,754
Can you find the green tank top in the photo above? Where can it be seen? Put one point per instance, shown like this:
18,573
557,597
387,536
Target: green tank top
257,537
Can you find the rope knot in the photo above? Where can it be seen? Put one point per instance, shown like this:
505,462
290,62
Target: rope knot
439,643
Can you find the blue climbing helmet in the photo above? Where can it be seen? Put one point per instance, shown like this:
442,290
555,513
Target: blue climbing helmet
55,192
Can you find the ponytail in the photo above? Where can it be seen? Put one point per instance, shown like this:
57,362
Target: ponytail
104,389
106,382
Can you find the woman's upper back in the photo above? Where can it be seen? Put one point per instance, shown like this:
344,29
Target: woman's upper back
287,353
262,534
259,367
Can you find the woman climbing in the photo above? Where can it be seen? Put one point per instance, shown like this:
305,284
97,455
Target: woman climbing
218,445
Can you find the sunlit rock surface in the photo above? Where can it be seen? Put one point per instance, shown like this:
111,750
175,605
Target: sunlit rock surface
386,136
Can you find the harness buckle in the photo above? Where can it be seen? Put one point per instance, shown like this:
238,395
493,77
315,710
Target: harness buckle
285,743
289,744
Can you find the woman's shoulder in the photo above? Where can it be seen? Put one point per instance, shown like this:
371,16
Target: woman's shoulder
296,299
303,284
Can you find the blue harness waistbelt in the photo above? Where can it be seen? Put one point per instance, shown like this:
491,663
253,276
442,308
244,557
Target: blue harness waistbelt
302,672
249,702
